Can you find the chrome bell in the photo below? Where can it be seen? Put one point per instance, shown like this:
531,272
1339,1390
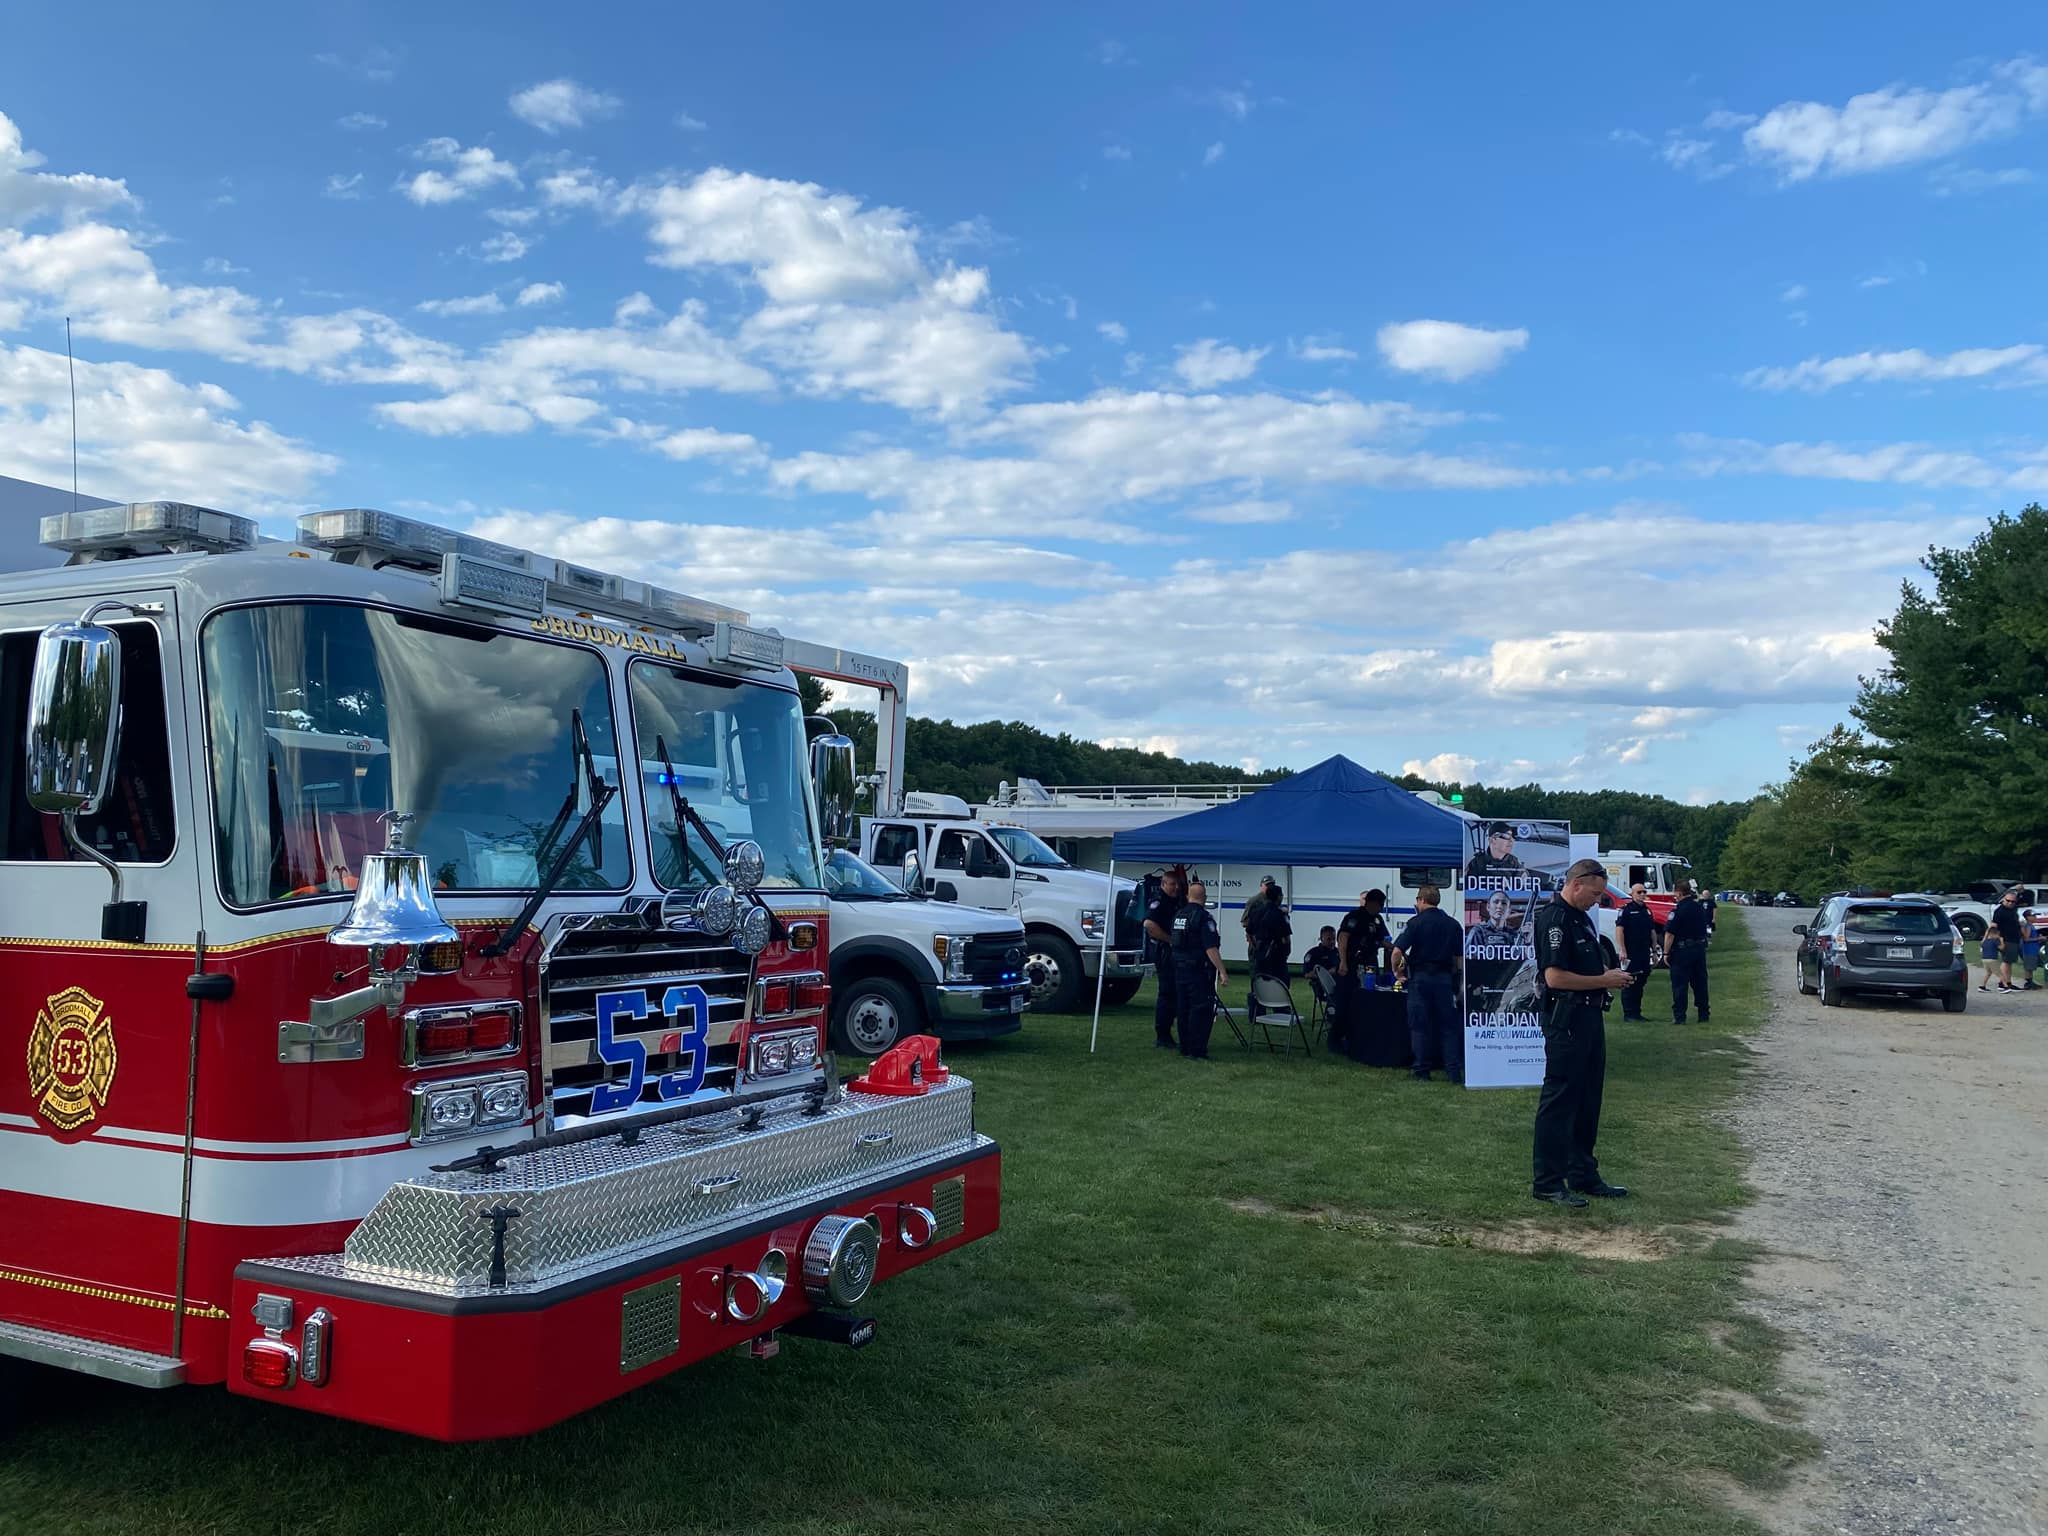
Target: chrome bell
394,897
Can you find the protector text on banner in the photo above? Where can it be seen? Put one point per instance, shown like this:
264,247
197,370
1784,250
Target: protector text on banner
1511,867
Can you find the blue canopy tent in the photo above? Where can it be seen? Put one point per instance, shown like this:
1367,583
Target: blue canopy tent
1335,813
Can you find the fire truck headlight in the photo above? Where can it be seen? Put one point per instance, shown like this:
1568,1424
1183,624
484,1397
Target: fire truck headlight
745,865
453,1112
787,1051
717,911
504,1101
756,928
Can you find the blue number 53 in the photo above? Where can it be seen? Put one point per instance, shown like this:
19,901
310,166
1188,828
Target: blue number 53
689,1001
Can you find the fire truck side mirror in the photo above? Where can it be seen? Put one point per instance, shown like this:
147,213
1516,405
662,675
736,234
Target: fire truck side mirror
834,779
74,717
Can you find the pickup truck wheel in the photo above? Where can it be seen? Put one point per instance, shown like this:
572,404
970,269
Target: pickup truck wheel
1116,993
1971,927
1053,967
873,1014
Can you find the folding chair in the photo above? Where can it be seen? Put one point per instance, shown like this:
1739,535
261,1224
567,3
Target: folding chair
1272,1007
1229,1015
1322,986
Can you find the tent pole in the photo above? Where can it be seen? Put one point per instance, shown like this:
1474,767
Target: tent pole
1102,964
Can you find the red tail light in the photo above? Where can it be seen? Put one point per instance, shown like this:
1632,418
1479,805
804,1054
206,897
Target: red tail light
444,1038
775,997
490,1031
813,994
269,1364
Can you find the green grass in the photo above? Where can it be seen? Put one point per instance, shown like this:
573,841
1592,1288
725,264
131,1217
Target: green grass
1162,1337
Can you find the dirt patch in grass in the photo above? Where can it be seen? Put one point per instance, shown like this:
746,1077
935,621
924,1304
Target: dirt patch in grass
1625,1244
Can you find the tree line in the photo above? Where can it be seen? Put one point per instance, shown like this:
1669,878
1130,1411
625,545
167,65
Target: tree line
1940,776
971,761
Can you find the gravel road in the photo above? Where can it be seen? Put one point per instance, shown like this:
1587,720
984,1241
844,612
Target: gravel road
1901,1154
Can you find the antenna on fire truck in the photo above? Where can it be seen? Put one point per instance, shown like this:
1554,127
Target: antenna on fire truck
71,368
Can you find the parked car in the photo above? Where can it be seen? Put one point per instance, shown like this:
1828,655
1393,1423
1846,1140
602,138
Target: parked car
1789,899
1895,946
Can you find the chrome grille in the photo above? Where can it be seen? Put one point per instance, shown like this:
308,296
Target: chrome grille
996,959
949,1208
626,954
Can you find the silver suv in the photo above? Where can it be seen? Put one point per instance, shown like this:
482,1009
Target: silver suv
1901,945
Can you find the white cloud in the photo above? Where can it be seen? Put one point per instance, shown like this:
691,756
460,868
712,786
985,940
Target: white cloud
1206,363
2025,362
707,443
27,194
1113,331
801,243
143,433
1234,512
1213,153
1951,180
540,293
346,188
1237,103
220,266
1447,349
1722,121
1322,349
474,304
1116,151
579,187
554,105
1876,280
504,246
1444,768
690,124
512,218
1896,125
361,122
1792,293
1918,464
471,171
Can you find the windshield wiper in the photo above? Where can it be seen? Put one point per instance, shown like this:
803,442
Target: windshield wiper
601,795
687,817
580,756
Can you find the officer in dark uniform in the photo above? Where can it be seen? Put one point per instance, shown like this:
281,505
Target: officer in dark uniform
1636,927
1198,968
1427,953
1361,938
1576,979
1159,915
1685,952
1499,857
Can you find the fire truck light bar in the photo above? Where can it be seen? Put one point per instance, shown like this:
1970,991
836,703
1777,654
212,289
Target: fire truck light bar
744,647
407,541
470,582
148,528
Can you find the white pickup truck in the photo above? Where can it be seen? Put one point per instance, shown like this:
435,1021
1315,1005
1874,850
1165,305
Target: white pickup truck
907,965
1971,911
1007,869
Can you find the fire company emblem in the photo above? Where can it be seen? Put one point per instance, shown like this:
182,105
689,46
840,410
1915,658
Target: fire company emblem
71,1058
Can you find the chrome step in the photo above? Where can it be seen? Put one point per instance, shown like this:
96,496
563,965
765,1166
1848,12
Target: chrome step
90,1356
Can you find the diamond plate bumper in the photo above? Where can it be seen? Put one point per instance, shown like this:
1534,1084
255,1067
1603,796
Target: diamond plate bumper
588,1208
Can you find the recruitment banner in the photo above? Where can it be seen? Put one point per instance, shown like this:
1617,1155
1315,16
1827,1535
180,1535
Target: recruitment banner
1511,867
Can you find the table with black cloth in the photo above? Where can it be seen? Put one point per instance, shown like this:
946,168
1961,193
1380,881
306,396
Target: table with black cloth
1377,1027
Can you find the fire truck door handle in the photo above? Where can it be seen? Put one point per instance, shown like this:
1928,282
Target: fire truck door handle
719,1185
877,1138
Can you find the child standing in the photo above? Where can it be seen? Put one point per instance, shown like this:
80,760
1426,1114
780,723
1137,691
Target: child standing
1989,951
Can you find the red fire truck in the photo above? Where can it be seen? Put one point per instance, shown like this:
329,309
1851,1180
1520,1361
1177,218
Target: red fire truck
412,962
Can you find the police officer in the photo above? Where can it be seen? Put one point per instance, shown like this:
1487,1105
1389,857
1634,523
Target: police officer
1635,927
1576,979
1361,936
1685,952
1494,927
1198,970
1159,915
1427,953
1499,857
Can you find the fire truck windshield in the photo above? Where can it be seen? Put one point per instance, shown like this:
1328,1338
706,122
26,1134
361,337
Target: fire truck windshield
322,716
738,753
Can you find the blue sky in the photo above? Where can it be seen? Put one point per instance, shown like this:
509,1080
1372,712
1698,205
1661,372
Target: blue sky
1515,395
